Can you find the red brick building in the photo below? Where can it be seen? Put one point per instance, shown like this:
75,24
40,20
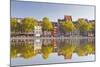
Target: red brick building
67,18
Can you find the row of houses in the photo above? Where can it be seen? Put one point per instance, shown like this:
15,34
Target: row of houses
56,31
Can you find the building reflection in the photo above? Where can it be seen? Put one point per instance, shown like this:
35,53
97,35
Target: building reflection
37,45
28,49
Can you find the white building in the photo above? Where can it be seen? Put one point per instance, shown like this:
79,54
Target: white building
37,45
37,31
19,20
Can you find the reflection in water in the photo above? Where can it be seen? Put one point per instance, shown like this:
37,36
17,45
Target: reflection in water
22,49
28,49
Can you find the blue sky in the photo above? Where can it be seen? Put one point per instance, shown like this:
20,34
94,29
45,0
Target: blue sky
22,9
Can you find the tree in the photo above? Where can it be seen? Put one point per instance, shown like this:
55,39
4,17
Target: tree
28,24
13,22
47,25
67,26
92,28
70,26
93,25
84,26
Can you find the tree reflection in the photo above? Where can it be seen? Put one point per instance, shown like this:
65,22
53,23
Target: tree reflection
26,50
46,50
66,50
89,48
14,51
85,49
80,51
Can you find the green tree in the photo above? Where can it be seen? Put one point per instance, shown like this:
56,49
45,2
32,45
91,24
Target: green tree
13,22
93,25
28,24
67,26
84,26
47,25
70,26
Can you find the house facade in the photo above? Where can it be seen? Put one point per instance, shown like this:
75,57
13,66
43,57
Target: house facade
37,31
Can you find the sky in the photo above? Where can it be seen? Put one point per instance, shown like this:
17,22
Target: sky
38,10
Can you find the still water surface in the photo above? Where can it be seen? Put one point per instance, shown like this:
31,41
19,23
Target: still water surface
45,51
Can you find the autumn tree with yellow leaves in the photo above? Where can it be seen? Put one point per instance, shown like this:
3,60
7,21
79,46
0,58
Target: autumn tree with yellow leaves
67,26
28,24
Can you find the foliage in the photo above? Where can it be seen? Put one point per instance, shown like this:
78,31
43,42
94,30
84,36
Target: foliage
85,49
84,26
89,48
80,51
67,26
47,25
46,50
26,50
13,22
28,24
67,50
14,51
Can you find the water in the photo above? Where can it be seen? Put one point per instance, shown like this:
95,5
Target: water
46,51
